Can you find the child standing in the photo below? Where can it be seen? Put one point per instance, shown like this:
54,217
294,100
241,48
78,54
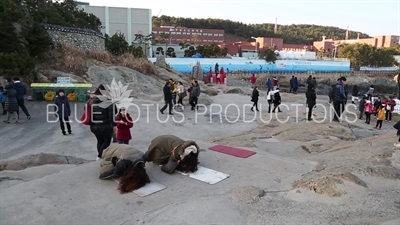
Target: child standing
63,111
368,107
2,99
124,125
380,114
361,107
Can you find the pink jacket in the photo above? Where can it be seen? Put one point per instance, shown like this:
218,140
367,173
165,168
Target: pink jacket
253,79
368,107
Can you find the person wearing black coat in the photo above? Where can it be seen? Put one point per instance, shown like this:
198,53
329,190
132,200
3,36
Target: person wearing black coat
311,100
21,92
354,94
103,122
63,110
361,106
254,98
11,104
277,101
167,98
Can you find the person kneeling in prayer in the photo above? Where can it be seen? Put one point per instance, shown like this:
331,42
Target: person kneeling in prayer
173,153
125,162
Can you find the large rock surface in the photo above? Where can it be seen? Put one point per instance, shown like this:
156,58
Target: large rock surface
39,160
141,84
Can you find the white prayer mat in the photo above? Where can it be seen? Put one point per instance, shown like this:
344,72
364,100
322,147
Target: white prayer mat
206,175
148,189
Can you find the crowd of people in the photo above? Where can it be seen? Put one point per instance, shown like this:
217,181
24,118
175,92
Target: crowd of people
121,160
126,162
379,107
173,89
12,98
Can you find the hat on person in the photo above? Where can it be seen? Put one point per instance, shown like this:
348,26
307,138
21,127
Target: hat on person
368,101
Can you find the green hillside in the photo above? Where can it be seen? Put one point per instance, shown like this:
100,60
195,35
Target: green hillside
292,34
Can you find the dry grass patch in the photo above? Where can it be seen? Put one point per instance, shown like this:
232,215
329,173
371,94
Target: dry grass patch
139,64
73,59
67,58
102,56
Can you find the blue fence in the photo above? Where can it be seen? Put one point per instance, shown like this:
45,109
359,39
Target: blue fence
241,65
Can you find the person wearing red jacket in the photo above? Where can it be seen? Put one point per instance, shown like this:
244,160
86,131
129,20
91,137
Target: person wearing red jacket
124,125
368,109
390,104
253,79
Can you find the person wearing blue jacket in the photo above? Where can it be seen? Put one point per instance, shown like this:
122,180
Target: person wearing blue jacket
269,84
295,85
63,110
2,99
21,92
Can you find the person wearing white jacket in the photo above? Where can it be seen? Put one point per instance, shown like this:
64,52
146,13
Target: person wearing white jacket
270,99
181,93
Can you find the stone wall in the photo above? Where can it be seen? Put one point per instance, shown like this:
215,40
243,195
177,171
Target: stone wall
82,39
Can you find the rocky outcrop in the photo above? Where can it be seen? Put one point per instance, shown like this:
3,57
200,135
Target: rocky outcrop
197,72
142,86
232,90
160,61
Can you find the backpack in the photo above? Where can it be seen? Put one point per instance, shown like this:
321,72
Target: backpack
184,94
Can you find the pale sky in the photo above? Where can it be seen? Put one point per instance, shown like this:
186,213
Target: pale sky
377,17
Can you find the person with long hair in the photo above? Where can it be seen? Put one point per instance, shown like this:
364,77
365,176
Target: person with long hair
181,93
254,98
173,153
125,162
102,121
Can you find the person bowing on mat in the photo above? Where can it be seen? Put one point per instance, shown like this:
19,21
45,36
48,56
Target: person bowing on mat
125,162
173,153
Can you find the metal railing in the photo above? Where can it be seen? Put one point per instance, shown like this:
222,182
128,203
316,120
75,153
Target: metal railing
247,74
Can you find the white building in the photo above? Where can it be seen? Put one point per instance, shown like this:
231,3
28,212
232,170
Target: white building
129,21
